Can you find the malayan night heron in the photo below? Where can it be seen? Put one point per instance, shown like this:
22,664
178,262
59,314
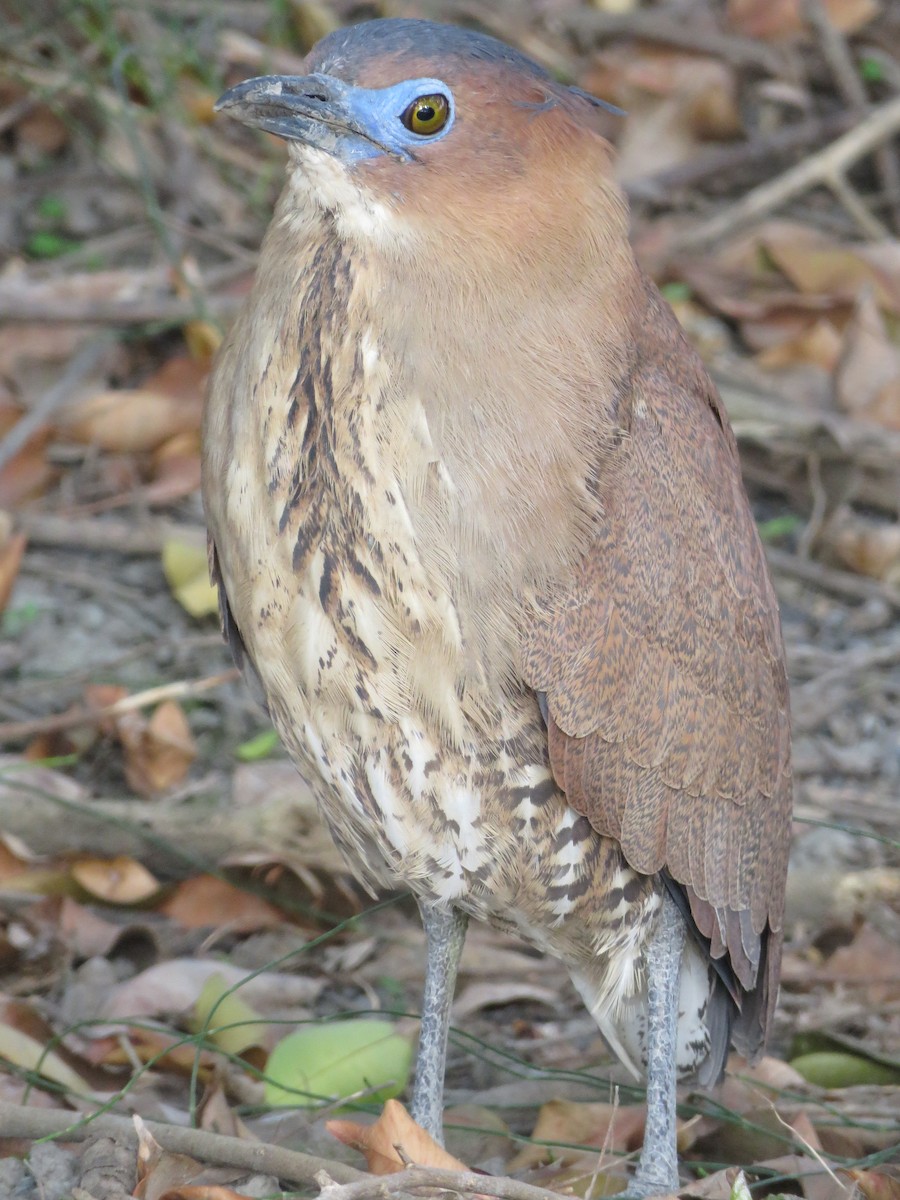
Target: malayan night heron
477,521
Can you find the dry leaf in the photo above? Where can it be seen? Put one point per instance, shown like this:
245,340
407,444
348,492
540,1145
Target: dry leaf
47,132
98,696
867,381
175,469
203,340
158,752
867,547
85,932
163,1175
27,474
393,1142
816,341
116,881
497,992
204,901
12,549
821,265
132,421
870,958
28,1041
874,1185
128,421
781,19
164,1050
610,1126
675,101
173,986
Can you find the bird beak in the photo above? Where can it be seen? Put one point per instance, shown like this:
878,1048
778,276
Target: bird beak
314,109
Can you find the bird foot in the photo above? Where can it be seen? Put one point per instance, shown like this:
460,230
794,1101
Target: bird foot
657,1183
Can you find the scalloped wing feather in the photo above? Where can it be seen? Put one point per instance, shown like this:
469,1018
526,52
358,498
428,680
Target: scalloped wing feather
664,672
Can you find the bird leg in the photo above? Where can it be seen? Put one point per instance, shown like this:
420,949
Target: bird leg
445,933
657,1172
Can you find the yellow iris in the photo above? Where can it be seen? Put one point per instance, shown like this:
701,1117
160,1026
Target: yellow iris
427,114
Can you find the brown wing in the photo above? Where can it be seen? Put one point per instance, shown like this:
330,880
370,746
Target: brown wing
663,667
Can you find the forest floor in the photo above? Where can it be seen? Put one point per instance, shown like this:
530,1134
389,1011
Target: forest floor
163,873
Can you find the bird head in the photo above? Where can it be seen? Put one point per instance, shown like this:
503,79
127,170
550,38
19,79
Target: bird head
447,127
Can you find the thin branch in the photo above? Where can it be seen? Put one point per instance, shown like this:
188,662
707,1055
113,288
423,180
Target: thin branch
19,731
110,536
81,365
820,168
165,310
837,54
23,1121
726,160
414,1178
858,210
590,26
840,583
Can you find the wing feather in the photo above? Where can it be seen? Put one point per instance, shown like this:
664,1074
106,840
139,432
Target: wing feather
663,667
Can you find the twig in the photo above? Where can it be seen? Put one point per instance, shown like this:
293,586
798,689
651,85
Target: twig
857,209
820,168
817,698
117,537
80,366
590,26
23,1121
18,731
414,1178
167,310
816,522
726,160
837,54
841,583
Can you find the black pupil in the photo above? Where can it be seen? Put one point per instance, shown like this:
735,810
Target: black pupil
425,113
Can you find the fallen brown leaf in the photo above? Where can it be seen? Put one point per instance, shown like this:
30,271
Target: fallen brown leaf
867,547
128,422
115,880
393,1142
12,549
205,901
871,959
875,1185
158,752
613,1127
776,20
867,380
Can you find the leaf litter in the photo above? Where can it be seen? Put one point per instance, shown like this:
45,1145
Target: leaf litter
171,909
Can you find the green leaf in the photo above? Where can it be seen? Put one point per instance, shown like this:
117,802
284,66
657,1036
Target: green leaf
779,527
871,70
14,621
341,1059
676,291
257,747
49,245
836,1069
51,208
739,1189
225,1018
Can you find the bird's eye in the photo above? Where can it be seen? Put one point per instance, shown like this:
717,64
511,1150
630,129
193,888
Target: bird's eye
427,115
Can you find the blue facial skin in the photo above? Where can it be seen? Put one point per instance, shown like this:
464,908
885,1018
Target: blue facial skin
351,123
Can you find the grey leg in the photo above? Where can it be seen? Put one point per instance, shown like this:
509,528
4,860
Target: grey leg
657,1172
445,933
